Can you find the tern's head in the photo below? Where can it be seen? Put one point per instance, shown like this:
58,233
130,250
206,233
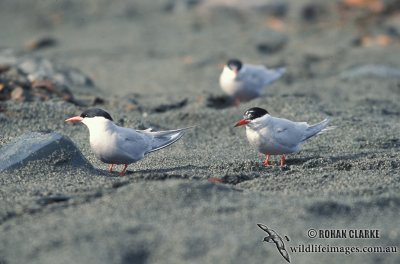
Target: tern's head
234,65
92,117
252,115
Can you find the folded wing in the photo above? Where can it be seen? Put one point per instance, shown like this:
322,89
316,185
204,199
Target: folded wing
162,139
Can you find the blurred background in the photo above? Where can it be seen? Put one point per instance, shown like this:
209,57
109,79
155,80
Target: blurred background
128,46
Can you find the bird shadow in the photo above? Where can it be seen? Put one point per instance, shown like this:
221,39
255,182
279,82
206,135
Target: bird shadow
298,161
164,170
219,102
155,172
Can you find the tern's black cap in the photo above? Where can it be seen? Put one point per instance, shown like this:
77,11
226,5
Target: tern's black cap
234,64
254,113
92,112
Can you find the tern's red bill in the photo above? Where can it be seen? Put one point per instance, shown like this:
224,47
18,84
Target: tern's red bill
74,119
242,122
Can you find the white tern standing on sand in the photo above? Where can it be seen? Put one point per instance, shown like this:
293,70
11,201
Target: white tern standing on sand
113,144
277,136
244,82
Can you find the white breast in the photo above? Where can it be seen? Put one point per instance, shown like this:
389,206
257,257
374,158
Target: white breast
228,83
264,138
105,142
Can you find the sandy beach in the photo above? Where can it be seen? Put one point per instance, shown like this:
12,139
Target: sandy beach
156,64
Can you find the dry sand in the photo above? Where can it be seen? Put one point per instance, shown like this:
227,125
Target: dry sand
156,64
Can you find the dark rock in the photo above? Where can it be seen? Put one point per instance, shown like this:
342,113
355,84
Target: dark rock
270,41
91,100
49,147
180,5
167,107
139,256
393,31
312,12
40,43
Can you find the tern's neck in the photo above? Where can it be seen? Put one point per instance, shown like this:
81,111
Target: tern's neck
99,126
228,73
259,123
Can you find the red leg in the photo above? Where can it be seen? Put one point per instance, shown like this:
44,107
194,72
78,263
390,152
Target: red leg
122,173
215,180
266,161
110,167
283,161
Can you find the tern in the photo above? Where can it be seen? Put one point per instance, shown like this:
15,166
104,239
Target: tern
244,82
113,144
277,136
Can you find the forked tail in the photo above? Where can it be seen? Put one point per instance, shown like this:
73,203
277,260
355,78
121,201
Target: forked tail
274,74
162,139
318,129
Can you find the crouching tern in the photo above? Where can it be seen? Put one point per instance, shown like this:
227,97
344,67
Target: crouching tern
277,136
244,82
113,144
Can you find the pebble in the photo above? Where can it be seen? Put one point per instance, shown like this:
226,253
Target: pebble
40,43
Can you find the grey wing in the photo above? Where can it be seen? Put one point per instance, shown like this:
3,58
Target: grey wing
288,133
252,77
133,143
162,139
259,76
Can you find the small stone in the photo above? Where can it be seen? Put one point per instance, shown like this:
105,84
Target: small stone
44,84
19,94
95,100
4,68
40,43
312,12
269,41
